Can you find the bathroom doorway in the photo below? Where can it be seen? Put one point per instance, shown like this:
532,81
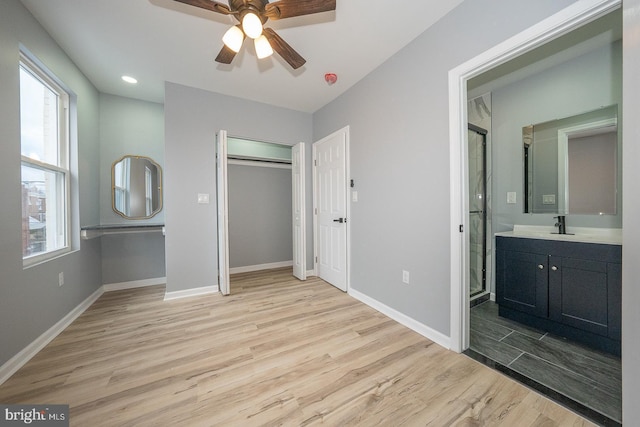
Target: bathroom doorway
477,154
583,379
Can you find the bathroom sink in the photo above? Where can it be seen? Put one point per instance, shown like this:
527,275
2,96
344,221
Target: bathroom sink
611,236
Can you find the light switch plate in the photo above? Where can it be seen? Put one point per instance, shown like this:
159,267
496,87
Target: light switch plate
511,197
203,198
548,199
354,196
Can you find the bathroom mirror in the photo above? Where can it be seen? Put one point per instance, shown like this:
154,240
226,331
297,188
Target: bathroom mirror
570,164
136,187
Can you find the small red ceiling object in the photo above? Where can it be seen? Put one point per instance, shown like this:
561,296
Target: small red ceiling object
330,78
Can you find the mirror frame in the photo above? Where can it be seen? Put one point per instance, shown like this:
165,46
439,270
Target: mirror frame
113,187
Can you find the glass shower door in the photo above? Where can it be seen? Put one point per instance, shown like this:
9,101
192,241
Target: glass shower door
477,210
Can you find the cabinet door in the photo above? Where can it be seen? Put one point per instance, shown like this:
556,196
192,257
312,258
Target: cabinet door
521,282
578,293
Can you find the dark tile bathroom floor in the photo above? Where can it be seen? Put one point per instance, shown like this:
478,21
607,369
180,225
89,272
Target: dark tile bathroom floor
569,372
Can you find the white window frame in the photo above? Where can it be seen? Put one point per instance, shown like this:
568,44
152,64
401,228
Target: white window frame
63,166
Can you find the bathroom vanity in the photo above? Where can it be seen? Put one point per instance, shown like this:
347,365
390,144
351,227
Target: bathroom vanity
569,285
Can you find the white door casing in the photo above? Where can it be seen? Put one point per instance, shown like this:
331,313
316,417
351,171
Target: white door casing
223,213
330,156
298,198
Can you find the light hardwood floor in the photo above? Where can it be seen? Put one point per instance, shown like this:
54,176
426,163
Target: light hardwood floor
275,352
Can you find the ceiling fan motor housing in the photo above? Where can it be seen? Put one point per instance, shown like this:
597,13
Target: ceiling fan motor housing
242,7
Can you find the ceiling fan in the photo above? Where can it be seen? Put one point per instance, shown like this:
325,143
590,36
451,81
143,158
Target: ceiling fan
252,15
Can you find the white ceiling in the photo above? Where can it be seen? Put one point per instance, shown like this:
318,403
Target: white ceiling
162,40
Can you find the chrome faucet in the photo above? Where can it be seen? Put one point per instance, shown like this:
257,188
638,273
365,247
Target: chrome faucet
561,224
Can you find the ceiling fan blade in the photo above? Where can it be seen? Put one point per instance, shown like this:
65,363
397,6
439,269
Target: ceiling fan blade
284,50
226,55
209,5
289,8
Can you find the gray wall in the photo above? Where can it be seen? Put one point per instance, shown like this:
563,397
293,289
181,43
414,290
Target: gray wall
585,83
631,212
132,256
129,126
399,121
192,118
30,299
260,228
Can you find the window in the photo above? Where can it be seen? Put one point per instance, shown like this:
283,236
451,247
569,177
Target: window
44,128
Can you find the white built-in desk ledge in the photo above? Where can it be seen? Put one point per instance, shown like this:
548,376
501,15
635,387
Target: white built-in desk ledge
91,232
606,236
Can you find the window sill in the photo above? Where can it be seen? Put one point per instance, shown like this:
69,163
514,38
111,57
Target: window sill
42,259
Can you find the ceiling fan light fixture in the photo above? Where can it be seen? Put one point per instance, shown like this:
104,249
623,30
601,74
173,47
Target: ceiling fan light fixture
233,38
252,25
263,47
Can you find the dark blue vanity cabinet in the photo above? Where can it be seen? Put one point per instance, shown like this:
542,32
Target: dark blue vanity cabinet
572,289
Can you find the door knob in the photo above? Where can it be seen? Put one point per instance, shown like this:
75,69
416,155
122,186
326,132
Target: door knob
340,220
541,267
554,268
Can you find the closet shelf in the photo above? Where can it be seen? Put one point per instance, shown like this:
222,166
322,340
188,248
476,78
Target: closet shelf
91,232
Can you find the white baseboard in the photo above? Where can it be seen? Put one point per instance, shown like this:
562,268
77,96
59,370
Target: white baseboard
134,284
492,296
403,319
258,267
19,360
191,292
311,273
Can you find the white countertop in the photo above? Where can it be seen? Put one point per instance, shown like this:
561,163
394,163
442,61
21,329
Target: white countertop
607,236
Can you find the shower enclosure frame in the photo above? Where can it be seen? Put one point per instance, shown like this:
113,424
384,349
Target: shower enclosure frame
483,212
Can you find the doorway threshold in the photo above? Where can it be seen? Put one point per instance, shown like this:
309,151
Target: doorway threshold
559,398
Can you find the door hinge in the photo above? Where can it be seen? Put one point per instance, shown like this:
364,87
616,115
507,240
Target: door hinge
461,228
315,163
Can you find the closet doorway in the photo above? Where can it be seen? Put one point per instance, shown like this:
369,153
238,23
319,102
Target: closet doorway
258,222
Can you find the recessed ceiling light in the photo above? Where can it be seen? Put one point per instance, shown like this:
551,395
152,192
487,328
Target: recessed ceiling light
129,79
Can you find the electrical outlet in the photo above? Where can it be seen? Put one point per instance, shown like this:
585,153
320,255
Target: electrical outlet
60,279
405,276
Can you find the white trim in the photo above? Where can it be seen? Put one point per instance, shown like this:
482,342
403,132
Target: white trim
257,163
403,319
573,16
168,296
311,273
258,267
119,286
11,366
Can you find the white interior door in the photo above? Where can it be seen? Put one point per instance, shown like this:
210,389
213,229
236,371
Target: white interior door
298,211
330,186
223,213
